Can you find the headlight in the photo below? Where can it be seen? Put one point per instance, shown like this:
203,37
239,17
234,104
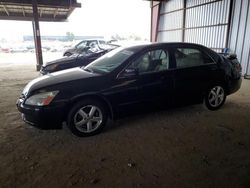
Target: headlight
41,99
51,67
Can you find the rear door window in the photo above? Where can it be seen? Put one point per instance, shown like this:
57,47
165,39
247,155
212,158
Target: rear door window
190,57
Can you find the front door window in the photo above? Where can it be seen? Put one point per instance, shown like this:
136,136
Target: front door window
151,61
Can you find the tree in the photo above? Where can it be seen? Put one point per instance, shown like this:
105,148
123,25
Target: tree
117,37
70,36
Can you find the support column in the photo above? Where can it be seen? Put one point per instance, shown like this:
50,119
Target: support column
184,19
37,38
155,16
229,22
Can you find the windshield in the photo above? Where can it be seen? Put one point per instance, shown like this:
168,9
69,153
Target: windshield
109,61
81,44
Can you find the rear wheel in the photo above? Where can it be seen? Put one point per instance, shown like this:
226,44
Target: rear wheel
215,97
87,118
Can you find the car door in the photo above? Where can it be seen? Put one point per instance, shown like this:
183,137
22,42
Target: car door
123,93
194,72
155,78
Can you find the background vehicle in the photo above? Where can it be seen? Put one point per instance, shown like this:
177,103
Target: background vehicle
81,46
138,77
76,60
5,49
18,50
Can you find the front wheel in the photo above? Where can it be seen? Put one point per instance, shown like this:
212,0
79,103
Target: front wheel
87,118
215,97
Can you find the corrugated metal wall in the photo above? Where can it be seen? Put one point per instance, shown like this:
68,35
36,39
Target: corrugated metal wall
207,22
198,21
171,21
239,40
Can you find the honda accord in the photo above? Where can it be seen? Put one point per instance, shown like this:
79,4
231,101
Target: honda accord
159,74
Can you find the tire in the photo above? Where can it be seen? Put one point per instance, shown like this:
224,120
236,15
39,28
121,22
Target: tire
87,118
215,97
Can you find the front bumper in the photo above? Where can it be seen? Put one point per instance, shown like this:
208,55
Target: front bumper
43,117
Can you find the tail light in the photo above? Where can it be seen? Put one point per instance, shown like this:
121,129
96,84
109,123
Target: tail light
238,67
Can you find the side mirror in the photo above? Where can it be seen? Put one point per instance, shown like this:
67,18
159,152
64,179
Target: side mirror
129,72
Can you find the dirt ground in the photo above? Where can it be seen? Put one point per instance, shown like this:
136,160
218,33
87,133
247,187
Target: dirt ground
183,147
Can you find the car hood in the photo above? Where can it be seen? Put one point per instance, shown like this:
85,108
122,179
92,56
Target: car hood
63,60
57,78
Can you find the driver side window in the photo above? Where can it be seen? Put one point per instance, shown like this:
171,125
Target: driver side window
151,61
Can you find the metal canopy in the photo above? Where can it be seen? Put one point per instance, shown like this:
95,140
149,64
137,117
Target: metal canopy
56,10
35,11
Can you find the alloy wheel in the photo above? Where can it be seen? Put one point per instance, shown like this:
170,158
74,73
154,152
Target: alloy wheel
88,118
216,96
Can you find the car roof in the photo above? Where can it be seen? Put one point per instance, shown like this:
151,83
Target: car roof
139,47
92,39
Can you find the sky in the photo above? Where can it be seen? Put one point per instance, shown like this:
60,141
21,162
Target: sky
94,18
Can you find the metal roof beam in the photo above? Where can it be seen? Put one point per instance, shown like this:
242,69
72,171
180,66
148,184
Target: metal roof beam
5,9
23,11
46,3
70,12
41,12
28,18
55,13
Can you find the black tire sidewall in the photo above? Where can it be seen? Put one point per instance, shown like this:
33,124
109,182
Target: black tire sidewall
76,107
206,101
